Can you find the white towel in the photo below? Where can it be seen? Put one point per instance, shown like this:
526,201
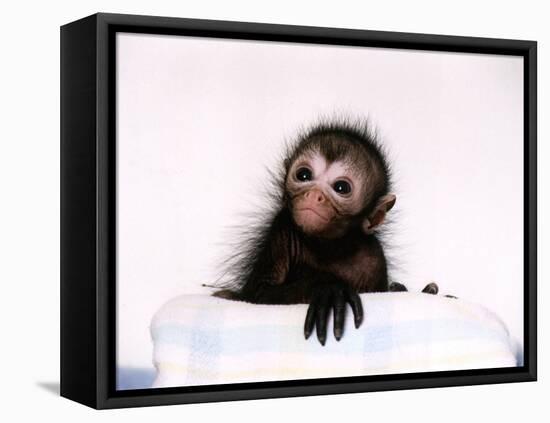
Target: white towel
199,339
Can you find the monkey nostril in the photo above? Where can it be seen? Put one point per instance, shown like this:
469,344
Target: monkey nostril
316,196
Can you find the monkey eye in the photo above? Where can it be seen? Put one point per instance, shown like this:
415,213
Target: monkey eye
303,174
342,187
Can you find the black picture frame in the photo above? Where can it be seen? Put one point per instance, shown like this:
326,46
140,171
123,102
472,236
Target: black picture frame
88,195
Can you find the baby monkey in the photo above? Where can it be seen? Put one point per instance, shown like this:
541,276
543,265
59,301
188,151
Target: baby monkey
321,246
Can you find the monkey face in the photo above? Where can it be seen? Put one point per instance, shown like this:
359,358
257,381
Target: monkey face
313,212
324,196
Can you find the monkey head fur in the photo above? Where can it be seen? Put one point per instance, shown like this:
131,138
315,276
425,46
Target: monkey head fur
337,180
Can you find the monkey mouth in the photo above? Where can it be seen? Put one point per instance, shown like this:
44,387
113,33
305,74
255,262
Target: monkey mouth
312,210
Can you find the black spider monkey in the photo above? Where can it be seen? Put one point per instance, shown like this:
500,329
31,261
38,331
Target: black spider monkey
321,245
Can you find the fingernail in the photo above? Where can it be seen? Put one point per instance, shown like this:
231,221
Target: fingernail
338,334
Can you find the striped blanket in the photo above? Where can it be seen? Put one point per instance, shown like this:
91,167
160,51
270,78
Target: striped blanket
199,339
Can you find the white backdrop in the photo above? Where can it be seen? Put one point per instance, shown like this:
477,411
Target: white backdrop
30,212
200,120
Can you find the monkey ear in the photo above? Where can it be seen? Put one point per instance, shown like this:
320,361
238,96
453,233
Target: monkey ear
376,218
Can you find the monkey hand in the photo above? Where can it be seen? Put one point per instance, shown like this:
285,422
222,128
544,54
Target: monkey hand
331,296
433,289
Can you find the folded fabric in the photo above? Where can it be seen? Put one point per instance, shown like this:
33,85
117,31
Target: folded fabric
199,339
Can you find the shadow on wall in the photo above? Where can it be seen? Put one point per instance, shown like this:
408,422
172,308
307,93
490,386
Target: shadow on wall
127,378
52,387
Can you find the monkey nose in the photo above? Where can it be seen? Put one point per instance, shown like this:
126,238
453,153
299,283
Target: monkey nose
315,195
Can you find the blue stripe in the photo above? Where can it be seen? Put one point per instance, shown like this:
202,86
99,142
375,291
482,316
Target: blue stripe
134,378
214,341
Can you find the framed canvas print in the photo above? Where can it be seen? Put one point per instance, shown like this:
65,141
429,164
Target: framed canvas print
256,211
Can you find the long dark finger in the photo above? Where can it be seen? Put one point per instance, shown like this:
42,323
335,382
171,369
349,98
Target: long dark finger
310,319
431,288
321,324
357,308
339,316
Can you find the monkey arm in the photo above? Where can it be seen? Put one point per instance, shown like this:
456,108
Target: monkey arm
269,265
323,291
